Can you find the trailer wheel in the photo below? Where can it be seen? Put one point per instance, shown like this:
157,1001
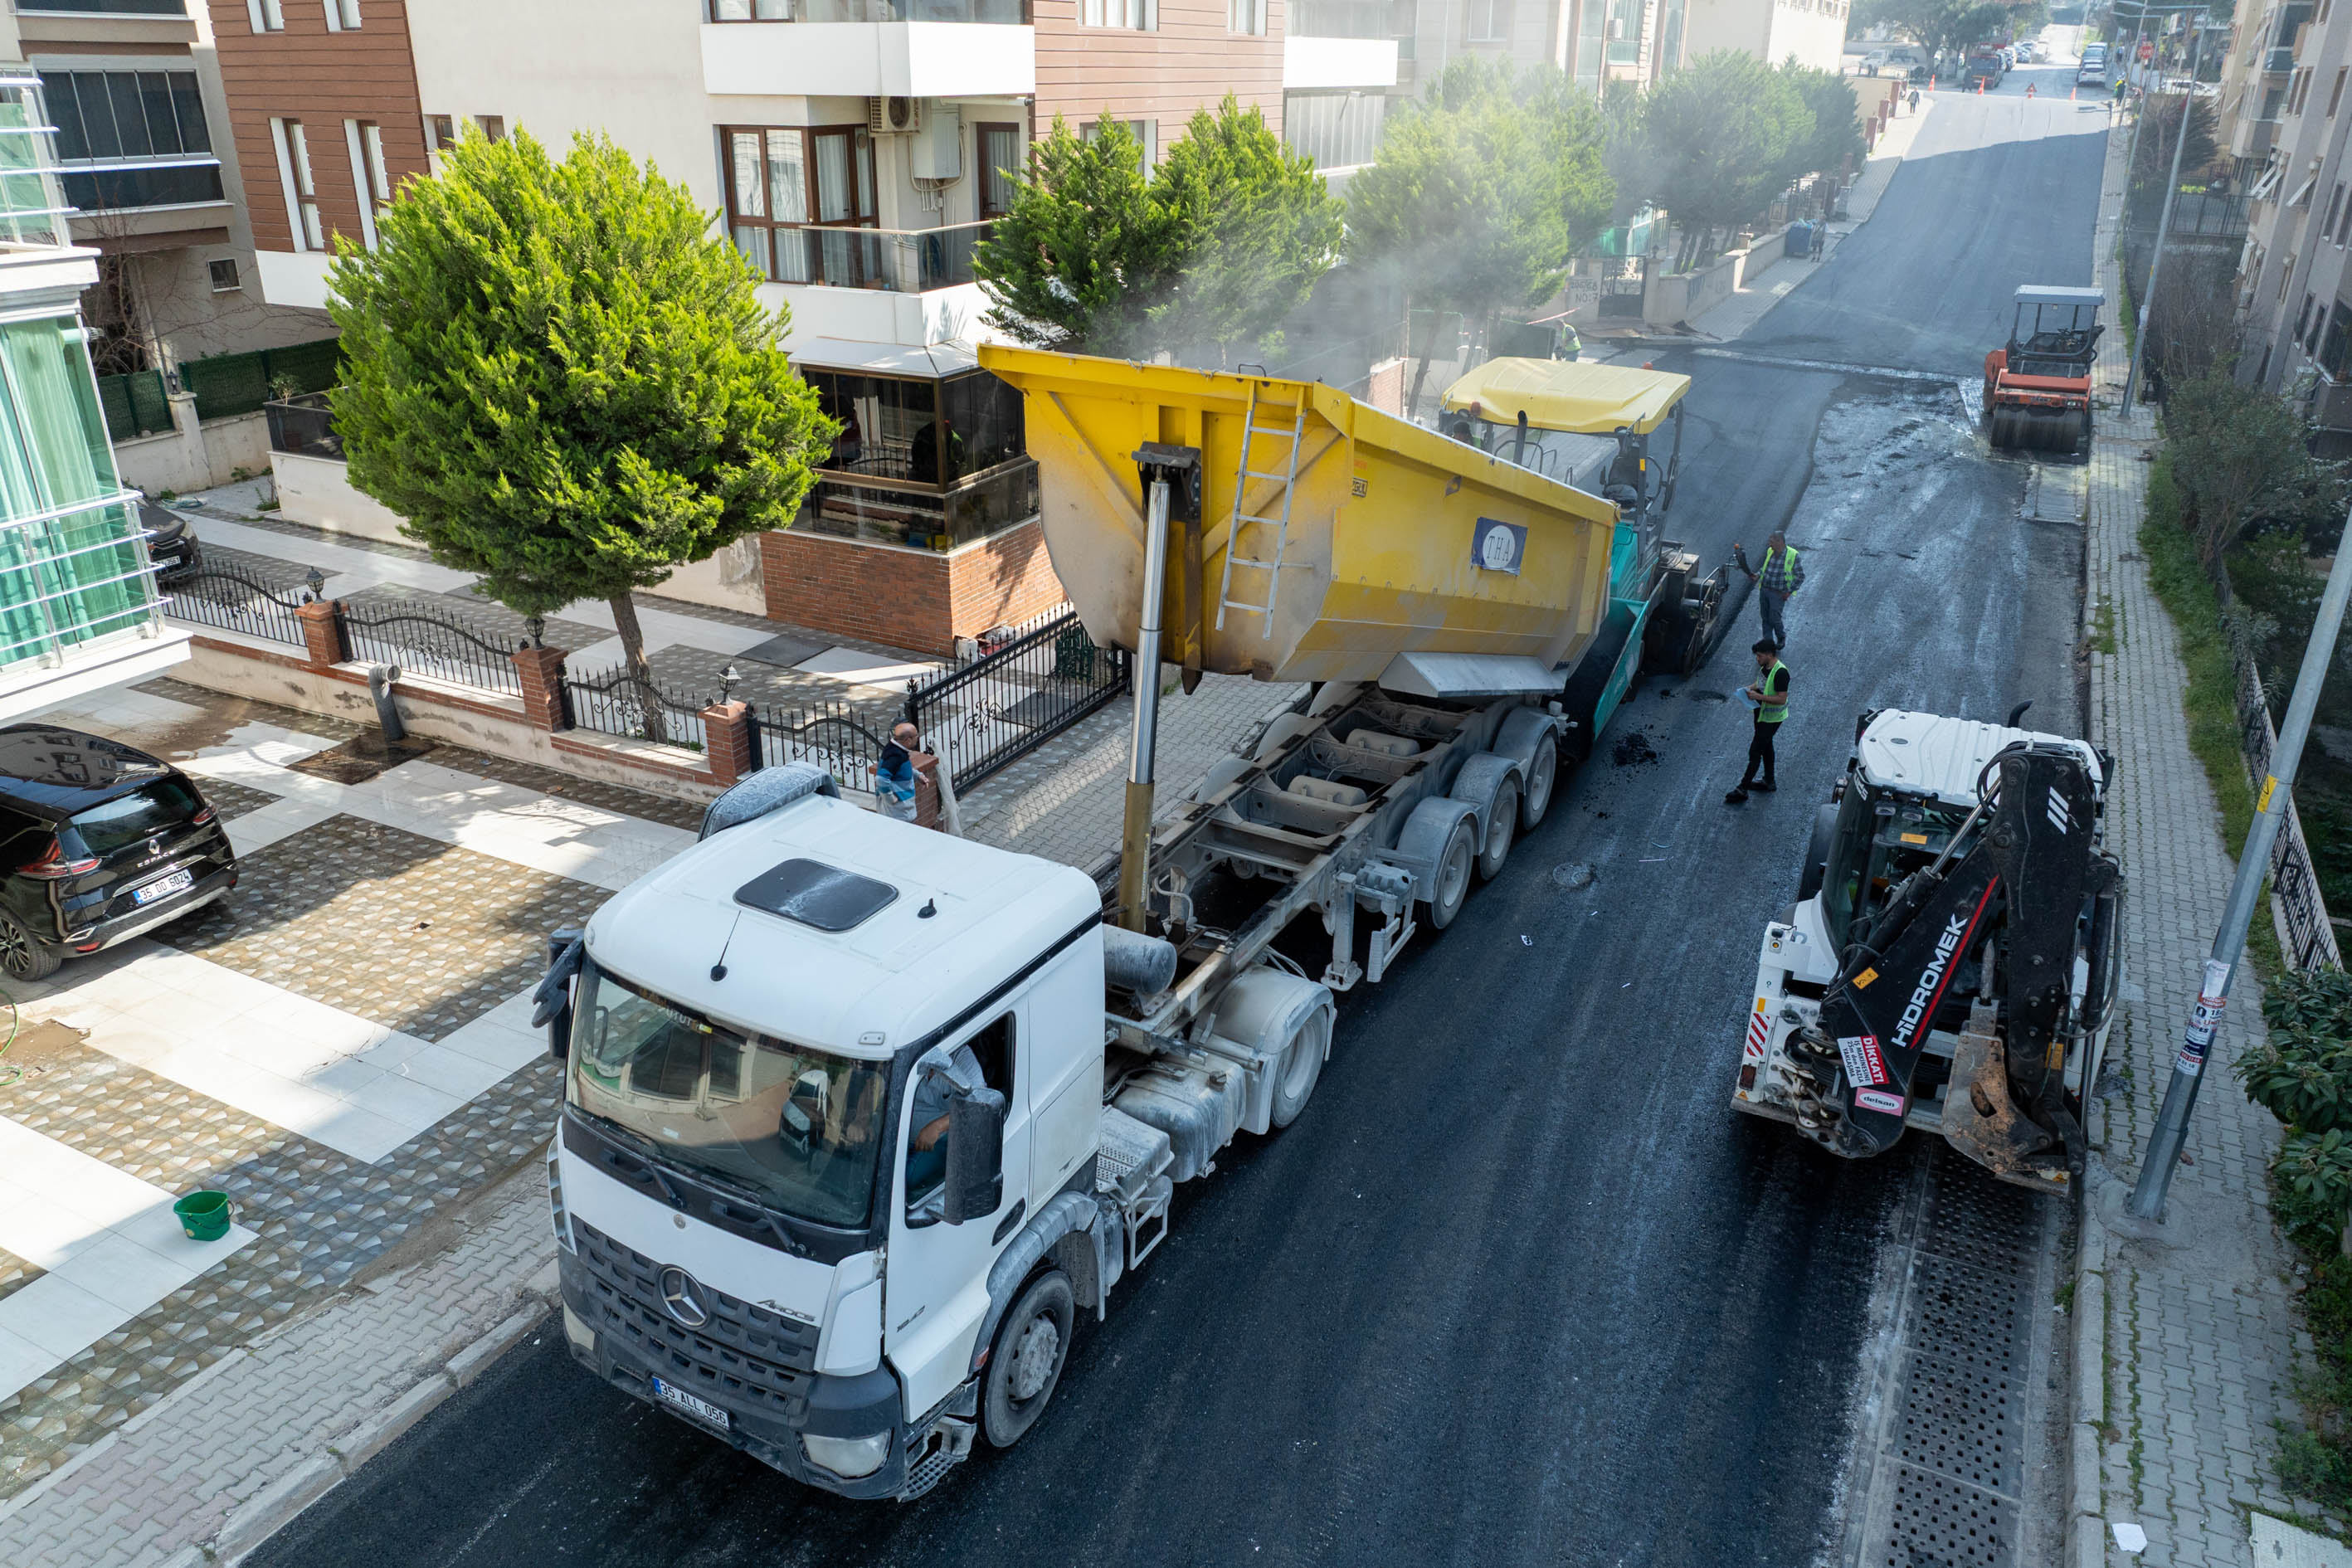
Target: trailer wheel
1026,1360
1449,878
1543,772
1502,821
1302,1065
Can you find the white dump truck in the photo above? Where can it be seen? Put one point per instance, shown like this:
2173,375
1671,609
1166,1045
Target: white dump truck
860,1119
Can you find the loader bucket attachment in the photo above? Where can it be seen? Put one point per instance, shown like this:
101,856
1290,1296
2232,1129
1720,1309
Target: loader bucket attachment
1980,1118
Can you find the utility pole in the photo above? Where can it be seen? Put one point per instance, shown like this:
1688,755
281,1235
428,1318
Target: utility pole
2164,223
2254,868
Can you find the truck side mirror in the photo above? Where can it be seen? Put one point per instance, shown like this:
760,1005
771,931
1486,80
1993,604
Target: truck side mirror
552,1001
975,1174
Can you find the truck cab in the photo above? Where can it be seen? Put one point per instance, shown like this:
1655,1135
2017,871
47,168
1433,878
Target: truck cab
773,1219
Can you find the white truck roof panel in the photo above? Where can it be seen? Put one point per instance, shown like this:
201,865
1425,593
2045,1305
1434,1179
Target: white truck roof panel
864,992
1928,754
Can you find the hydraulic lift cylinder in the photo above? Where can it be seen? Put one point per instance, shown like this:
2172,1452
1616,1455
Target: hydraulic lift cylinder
1134,839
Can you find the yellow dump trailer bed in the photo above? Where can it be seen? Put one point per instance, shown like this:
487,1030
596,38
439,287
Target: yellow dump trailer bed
1362,538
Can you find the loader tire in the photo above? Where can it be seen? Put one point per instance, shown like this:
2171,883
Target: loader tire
1817,852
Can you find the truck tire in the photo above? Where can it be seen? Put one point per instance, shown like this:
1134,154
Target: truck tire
1295,1075
1543,772
1502,824
1817,852
1026,1360
1449,874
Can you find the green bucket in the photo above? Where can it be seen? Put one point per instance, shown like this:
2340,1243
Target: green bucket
205,1215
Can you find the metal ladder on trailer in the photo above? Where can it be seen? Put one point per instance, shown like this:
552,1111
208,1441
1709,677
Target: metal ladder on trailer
1271,565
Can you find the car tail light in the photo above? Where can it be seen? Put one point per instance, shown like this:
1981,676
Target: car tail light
53,867
203,817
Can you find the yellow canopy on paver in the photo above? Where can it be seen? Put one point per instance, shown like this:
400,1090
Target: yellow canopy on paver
1564,395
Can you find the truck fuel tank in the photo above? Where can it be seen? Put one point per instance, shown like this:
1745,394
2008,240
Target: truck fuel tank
1200,1104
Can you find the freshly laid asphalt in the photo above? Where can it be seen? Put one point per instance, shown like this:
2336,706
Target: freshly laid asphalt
1519,1287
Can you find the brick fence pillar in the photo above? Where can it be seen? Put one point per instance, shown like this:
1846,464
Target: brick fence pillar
728,743
322,631
546,705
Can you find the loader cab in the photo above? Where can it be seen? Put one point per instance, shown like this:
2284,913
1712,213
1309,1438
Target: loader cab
1607,430
1881,836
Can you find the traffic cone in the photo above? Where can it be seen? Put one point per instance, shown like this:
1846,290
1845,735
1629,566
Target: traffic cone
2071,92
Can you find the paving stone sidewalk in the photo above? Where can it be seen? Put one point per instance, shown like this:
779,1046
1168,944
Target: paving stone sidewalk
2186,1353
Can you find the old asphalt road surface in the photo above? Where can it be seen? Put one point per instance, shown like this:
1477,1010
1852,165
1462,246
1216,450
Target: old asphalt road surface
1519,1288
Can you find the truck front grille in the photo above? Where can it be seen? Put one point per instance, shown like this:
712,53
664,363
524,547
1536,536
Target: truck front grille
745,1357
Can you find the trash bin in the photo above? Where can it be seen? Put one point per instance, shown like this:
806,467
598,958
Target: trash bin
205,1215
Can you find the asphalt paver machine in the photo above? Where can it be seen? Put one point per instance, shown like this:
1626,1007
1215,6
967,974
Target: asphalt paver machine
2037,388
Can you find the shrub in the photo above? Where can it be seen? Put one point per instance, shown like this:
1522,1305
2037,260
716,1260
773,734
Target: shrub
2303,1073
2311,1180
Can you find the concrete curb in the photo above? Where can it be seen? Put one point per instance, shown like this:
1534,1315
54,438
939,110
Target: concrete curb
274,1507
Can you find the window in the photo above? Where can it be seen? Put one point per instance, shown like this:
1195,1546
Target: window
2303,318
928,464
301,192
2335,345
2336,93
1000,167
2335,203
2298,90
440,132
1336,130
1626,32
1136,15
1145,132
493,126
225,278
795,198
1488,21
1245,15
751,10
342,15
131,139
1589,42
988,1053
267,15
364,140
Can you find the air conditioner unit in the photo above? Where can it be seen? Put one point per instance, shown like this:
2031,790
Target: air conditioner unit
894,116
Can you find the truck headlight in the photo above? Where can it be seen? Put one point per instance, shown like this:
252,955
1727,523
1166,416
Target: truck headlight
848,1457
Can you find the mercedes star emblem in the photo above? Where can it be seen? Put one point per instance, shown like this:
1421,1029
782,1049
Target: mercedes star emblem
682,1298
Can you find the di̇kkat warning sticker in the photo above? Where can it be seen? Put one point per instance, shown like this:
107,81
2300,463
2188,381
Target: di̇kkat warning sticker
1865,1066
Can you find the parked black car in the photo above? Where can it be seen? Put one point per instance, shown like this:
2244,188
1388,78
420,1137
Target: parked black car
170,543
98,842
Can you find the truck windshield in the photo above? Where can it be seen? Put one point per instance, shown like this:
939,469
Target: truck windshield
800,1127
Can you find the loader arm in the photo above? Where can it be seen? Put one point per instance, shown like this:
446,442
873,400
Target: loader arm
2021,884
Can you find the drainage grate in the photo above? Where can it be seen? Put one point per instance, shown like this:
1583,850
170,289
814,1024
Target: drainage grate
1940,1523
1946,1478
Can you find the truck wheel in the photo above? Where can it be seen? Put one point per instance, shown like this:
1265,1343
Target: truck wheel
1025,1361
1817,852
1502,821
1543,771
1302,1065
1449,878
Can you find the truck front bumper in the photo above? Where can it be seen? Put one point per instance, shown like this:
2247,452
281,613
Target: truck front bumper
916,1456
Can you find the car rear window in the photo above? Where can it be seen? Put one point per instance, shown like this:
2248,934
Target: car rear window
129,818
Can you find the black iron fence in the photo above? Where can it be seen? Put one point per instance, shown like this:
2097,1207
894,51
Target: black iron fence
228,600
425,641
2310,936
616,703
1009,702
833,735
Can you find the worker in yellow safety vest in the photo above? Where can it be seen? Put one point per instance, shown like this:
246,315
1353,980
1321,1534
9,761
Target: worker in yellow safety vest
1770,697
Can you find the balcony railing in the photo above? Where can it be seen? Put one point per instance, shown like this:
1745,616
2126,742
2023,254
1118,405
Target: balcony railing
2278,60
102,8
1001,12
1348,18
919,516
2331,405
100,187
900,261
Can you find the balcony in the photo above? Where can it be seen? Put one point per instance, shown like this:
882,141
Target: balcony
2278,61
894,260
1349,19
869,48
2331,405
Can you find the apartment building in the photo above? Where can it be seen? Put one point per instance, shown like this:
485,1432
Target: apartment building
1596,41
134,94
78,606
1810,32
855,149
2294,298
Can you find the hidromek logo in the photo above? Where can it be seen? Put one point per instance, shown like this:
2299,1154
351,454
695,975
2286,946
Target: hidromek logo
1929,979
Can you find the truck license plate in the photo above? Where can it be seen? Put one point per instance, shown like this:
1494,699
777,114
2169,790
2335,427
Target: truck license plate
671,1395
177,882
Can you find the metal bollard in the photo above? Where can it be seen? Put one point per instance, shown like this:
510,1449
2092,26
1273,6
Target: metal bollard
387,712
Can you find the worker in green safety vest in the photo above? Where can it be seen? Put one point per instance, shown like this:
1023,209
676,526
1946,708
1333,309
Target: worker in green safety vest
1770,697
1777,581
